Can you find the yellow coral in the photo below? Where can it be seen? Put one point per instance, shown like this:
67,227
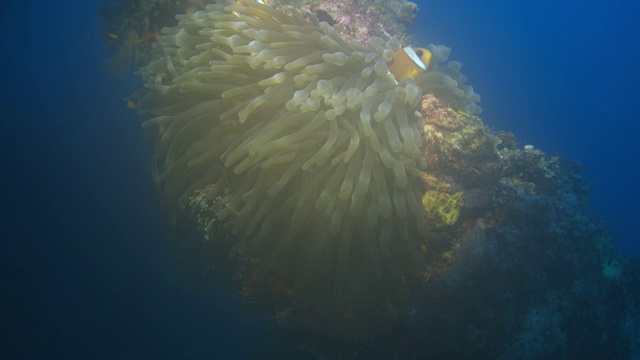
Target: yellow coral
441,208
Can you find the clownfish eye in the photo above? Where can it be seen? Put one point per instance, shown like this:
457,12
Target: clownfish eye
419,53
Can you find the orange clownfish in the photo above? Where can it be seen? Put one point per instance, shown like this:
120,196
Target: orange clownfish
409,62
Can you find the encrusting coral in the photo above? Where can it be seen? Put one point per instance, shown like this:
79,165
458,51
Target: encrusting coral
311,143
442,208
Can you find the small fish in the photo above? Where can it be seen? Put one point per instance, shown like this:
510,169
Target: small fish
409,62
111,36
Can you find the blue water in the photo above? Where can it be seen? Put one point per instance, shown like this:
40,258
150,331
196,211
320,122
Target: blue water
85,264
85,267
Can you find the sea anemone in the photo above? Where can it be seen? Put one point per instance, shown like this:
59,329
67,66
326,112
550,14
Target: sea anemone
313,146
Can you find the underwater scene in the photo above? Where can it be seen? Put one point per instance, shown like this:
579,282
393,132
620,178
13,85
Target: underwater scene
320,179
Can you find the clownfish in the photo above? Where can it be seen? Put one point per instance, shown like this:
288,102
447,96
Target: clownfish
409,62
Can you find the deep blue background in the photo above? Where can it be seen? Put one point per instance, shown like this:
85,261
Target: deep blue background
84,252
85,268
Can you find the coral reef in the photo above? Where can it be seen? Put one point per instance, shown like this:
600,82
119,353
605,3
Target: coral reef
525,279
297,153
526,275
360,20
523,273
